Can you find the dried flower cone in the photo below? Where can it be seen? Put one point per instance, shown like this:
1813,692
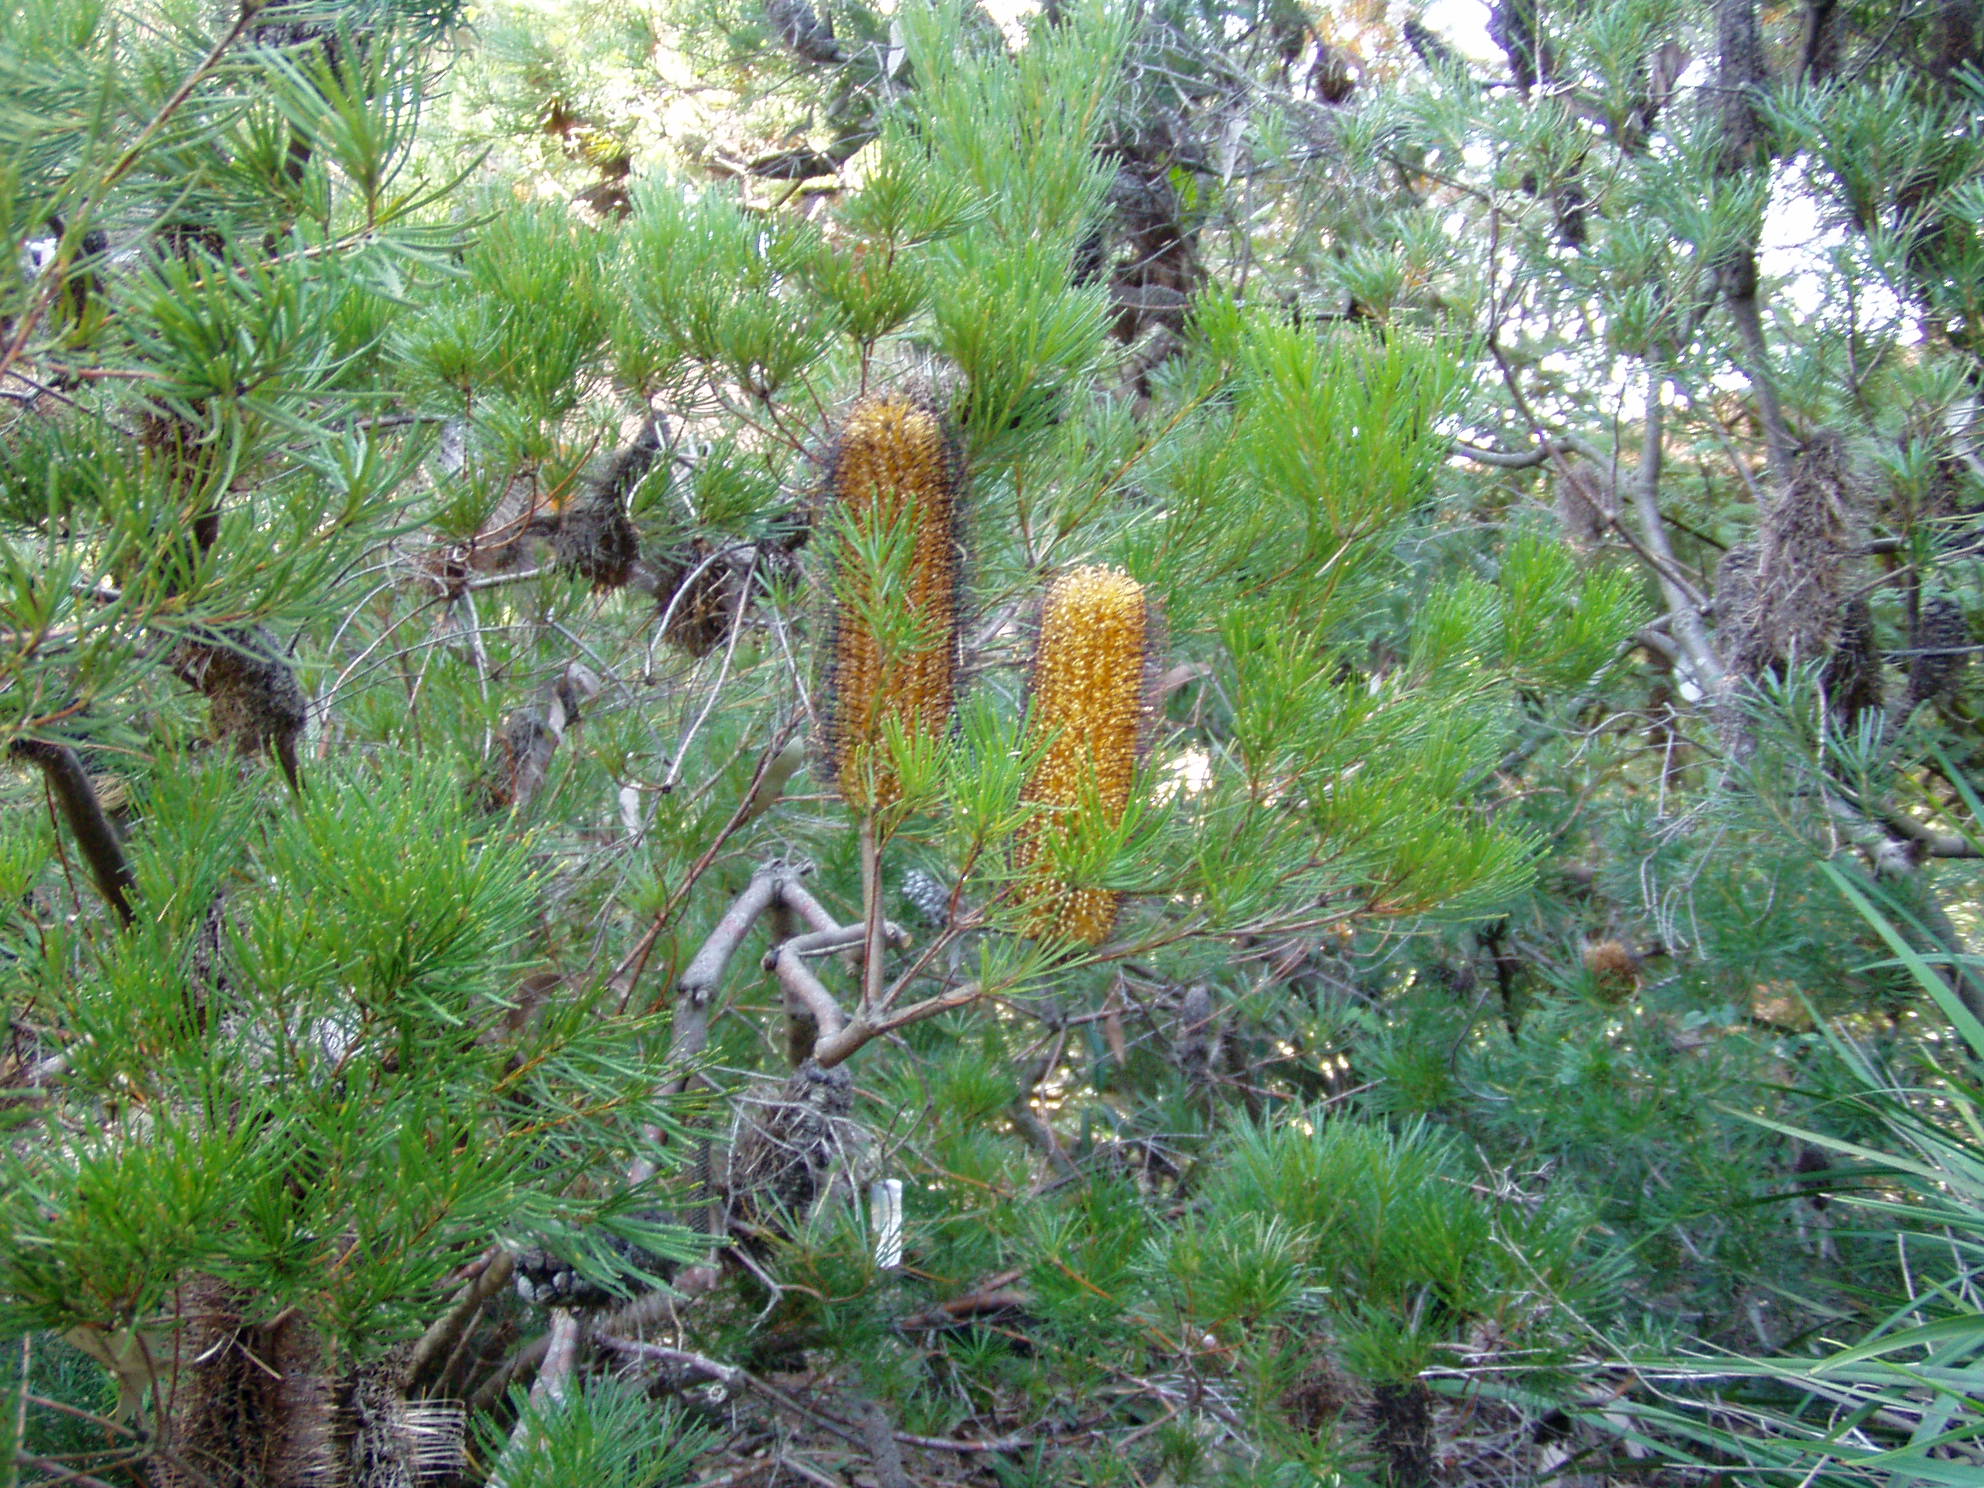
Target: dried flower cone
895,464
1804,552
1088,701
1940,643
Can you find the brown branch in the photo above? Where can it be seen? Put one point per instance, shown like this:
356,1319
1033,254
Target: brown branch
1667,569
1741,297
698,981
815,1013
1028,1124
102,1423
519,1365
706,967
561,1358
690,1031
812,1003
871,912
1740,77
438,1342
834,938
644,1311
865,1028
728,1375
1527,459
532,735
797,898
1932,843
62,1473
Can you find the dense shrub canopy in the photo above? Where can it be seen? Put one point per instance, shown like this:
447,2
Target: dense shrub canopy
755,742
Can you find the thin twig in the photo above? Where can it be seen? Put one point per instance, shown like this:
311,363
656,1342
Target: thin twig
58,272
722,674
871,914
61,1473
627,974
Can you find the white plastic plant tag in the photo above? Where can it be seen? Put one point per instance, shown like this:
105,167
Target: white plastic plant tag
885,1215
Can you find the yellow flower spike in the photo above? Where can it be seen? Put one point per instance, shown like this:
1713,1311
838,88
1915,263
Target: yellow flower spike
1088,705
895,463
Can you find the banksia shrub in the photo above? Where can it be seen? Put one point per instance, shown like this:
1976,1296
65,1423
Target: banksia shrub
1088,709
896,473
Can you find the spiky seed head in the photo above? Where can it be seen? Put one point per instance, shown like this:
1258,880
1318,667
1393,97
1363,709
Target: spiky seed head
896,464
1088,708
1805,547
1613,966
1586,504
1942,632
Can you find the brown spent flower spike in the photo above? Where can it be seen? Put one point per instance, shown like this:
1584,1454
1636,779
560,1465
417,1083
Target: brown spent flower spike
895,463
1088,701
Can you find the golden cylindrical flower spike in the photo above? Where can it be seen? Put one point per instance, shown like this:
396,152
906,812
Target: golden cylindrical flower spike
896,464
1088,704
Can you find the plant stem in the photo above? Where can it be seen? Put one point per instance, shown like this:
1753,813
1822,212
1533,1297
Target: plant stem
871,909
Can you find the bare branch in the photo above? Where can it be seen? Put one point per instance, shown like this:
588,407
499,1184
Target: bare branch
1683,607
814,1004
439,1340
699,980
866,1028
627,975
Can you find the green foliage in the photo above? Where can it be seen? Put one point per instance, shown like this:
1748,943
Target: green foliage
441,414
1887,1401
1007,317
58,1376
1031,175
1395,1232
710,290
347,1052
605,1433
